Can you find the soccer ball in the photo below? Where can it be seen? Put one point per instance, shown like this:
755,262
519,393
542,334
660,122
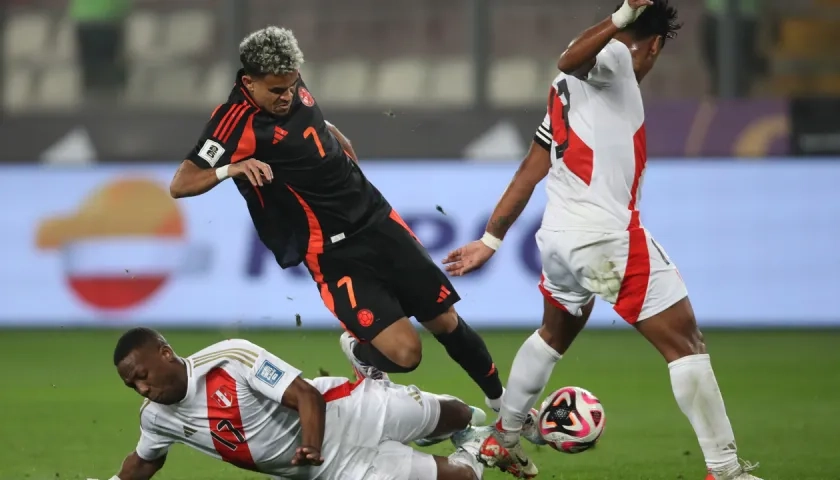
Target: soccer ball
571,420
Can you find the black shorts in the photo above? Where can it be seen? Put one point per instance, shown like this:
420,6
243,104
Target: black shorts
380,275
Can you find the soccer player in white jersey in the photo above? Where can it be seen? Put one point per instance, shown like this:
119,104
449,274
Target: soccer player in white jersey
237,402
592,147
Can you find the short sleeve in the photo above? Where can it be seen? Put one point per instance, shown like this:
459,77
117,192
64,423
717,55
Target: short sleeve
542,137
612,61
219,140
152,445
270,375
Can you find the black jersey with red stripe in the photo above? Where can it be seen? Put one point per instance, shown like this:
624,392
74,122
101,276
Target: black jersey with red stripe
319,195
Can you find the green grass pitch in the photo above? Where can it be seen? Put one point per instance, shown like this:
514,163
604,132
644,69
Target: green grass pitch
68,416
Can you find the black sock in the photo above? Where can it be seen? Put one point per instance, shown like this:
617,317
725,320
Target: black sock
467,348
368,354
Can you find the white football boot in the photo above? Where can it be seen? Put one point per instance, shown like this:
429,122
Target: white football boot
493,454
478,419
530,430
740,473
348,342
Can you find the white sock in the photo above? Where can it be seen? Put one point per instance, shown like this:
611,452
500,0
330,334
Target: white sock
494,403
529,375
463,457
698,395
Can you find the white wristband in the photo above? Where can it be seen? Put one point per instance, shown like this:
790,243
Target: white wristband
491,241
114,478
626,15
222,172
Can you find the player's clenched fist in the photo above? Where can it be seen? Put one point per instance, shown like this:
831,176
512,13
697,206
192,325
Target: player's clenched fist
467,258
255,171
307,456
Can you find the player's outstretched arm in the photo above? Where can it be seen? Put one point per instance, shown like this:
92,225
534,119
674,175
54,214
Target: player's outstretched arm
312,409
579,57
531,171
344,141
135,468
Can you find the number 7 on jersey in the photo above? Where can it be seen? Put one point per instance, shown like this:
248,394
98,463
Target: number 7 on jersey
311,132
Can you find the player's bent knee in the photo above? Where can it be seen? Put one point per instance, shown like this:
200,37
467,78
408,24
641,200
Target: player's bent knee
401,344
408,356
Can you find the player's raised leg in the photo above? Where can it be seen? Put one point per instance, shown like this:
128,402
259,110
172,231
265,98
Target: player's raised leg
431,297
425,293
379,338
468,349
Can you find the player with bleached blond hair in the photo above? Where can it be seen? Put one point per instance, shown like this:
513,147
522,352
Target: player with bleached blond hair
311,203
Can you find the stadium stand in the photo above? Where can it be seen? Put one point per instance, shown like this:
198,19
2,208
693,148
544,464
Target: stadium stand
384,52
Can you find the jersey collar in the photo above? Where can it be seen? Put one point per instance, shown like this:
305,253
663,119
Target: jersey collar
244,91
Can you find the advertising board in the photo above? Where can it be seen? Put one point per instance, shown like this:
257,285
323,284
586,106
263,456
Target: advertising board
755,242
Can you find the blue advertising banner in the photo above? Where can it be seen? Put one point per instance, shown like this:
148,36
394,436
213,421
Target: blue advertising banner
755,242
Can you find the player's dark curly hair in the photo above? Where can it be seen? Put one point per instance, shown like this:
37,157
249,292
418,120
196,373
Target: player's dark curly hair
134,339
657,19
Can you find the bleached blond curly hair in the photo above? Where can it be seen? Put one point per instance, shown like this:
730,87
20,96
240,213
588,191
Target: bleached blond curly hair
270,51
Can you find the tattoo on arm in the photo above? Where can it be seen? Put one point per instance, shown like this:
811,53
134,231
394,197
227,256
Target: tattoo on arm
499,225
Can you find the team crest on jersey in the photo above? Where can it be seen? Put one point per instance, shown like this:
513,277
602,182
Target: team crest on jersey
306,97
269,374
223,397
365,317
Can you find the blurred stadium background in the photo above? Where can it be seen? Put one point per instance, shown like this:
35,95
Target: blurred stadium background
101,99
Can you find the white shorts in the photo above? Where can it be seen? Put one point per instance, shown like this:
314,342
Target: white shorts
369,429
627,269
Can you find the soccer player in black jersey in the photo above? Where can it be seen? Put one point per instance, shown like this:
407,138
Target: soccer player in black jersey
310,202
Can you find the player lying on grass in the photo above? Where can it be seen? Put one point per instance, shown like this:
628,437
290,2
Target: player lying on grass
591,146
237,402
